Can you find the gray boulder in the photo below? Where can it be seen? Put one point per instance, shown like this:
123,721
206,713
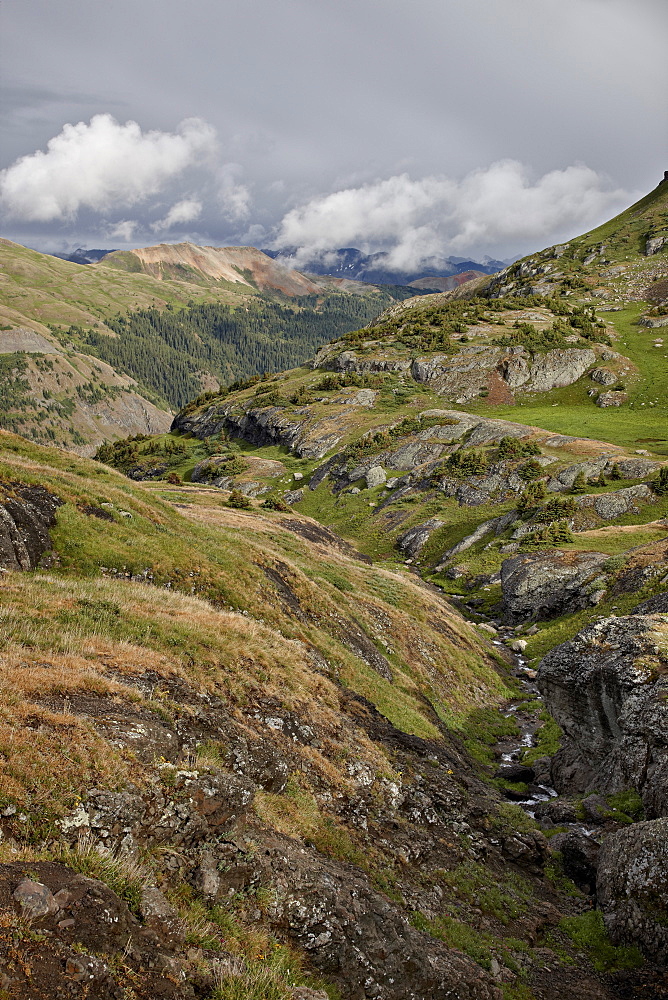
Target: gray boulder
632,887
549,584
415,538
608,690
613,398
375,477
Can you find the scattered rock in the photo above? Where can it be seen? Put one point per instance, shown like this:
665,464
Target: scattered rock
613,398
35,899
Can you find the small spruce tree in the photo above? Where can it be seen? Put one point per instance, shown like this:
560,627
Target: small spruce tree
579,484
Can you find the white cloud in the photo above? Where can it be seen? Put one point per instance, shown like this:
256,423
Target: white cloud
124,230
101,165
495,207
179,214
234,197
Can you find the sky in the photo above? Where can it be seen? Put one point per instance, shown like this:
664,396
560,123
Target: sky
422,128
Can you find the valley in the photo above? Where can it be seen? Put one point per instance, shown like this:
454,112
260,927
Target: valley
345,679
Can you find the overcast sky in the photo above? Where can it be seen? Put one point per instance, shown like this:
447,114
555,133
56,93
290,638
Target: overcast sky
458,127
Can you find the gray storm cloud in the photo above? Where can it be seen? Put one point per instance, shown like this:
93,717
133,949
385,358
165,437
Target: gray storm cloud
101,165
416,218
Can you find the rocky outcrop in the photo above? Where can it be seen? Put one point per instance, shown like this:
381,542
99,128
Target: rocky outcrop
461,375
632,887
411,541
608,690
549,584
26,514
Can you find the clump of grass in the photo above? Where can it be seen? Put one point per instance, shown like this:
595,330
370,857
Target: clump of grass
587,931
122,873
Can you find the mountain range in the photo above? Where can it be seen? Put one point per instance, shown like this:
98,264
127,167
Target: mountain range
351,263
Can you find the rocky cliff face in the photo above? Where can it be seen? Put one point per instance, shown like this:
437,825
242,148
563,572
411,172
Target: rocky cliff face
608,690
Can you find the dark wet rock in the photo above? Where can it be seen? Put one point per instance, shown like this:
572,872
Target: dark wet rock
596,809
632,887
26,514
549,584
515,772
557,811
608,690
579,857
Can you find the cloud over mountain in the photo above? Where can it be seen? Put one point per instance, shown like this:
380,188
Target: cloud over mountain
415,218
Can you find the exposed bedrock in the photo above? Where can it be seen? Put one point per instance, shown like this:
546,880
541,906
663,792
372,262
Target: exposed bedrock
608,690
549,584
632,887
26,514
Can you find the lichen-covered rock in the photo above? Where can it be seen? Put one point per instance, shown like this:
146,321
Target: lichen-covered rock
375,477
549,584
632,887
26,514
608,690
603,376
613,398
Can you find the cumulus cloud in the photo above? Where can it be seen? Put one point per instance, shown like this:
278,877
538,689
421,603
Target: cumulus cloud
233,196
179,214
101,165
499,206
123,230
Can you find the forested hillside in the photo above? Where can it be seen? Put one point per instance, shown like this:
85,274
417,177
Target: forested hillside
167,350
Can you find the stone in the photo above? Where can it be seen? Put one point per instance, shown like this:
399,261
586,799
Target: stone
632,887
604,376
608,690
614,398
35,899
292,497
516,772
546,585
161,918
579,857
298,476
596,809
416,537
375,477
26,514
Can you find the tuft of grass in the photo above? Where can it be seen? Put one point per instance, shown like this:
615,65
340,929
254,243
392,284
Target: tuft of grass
116,868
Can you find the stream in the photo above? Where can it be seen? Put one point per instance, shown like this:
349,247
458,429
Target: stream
510,750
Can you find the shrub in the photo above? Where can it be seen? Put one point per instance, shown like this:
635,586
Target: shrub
275,503
466,462
530,470
660,485
579,484
531,498
239,500
510,447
